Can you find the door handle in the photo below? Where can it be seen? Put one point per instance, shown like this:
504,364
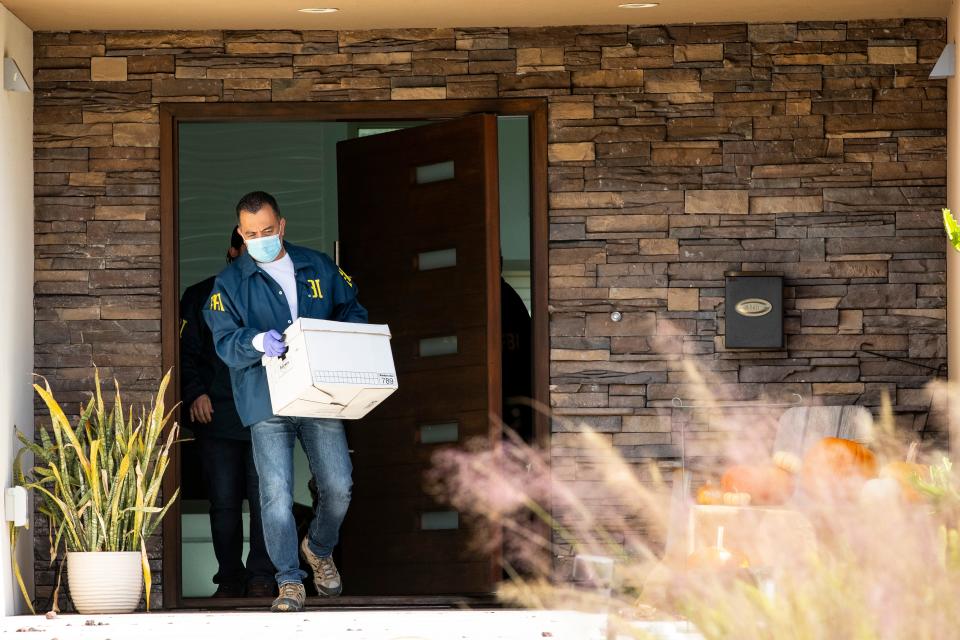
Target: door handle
336,252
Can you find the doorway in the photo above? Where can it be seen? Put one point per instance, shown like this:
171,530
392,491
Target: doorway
212,159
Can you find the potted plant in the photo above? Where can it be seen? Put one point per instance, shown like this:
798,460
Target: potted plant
99,485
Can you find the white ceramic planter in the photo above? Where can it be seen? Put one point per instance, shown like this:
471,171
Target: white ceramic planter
105,581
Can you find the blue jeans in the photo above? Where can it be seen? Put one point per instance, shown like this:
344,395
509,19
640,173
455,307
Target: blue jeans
325,444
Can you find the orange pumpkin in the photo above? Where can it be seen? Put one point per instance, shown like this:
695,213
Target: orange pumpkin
765,483
709,494
904,471
836,467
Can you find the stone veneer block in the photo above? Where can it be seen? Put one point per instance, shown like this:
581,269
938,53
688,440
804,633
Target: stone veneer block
149,40
382,59
772,32
697,52
608,78
672,81
177,87
535,57
892,55
659,246
683,300
686,154
571,151
418,93
130,134
571,110
109,69
624,223
143,64
837,388
717,201
291,90
786,204
647,424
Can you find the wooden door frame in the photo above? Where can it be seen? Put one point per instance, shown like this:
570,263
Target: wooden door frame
172,114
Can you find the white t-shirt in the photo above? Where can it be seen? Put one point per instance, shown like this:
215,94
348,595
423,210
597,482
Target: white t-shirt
283,272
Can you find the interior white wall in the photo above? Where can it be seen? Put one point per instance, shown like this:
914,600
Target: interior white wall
16,285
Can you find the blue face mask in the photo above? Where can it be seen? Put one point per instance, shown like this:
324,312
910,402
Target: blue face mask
264,249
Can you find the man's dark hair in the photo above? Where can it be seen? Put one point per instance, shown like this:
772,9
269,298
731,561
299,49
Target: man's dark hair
236,240
254,201
236,243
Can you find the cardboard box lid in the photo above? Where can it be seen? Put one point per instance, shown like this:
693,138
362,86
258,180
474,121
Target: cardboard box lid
313,324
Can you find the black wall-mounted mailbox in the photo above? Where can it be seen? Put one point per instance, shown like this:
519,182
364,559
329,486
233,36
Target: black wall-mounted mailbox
754,310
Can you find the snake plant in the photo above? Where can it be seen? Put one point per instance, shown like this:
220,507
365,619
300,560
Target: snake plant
99,482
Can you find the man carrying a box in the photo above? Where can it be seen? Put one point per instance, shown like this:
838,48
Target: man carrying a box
252,302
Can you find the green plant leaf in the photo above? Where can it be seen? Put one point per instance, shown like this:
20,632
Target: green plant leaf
147,577
16,568
952,228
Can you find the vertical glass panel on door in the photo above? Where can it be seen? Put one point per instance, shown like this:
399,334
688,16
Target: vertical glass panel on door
439,346
440,259
437,172
439,433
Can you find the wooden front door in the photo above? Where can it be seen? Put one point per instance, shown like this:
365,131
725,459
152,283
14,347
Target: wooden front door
419,233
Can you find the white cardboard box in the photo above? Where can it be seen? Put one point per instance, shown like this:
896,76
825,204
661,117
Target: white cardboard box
331,370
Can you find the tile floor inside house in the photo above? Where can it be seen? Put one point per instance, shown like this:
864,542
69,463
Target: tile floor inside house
332,625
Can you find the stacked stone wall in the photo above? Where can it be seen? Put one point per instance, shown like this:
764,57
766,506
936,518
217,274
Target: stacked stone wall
676,153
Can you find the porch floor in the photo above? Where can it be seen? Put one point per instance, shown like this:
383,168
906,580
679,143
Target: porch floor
329,625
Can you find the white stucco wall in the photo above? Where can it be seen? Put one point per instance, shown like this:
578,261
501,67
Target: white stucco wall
16,283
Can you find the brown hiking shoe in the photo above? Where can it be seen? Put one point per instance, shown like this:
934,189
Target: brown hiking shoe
326,578
292,598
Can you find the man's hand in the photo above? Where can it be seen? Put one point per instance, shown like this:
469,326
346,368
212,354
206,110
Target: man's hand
273,344
201,410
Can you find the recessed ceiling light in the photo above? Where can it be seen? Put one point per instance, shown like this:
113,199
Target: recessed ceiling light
640,5
319,10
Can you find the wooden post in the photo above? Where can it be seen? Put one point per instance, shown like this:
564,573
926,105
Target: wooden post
953,257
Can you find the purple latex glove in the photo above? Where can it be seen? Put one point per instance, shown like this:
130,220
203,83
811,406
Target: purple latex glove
273,344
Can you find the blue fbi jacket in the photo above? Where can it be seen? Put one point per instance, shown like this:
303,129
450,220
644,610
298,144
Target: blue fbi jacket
245,301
